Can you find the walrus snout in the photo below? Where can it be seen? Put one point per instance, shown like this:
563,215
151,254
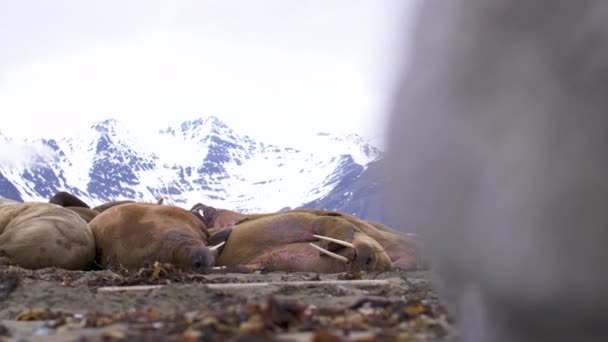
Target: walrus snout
369,255
201,261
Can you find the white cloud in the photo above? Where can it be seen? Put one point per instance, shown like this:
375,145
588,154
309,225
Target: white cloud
273,71
23,154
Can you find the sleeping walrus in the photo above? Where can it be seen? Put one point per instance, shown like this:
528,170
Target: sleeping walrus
36,235
284,241
135,234
403,250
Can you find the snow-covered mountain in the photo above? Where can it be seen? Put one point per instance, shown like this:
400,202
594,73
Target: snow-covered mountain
196,161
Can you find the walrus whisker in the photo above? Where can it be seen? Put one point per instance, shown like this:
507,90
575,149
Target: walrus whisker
339,242
331,254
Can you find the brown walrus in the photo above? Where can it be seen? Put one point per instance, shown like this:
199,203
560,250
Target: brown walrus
404,251
284,242
36,235
134,234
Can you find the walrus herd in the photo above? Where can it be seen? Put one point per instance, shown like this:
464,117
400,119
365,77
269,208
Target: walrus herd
67,233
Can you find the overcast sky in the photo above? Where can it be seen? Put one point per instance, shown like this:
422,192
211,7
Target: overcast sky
275,69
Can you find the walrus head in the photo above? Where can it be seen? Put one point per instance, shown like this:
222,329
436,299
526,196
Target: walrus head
217,218
201,260
363,254
370,256
204,213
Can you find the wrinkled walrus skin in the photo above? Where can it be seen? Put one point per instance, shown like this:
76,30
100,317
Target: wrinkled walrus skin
36,235
281,243
135,234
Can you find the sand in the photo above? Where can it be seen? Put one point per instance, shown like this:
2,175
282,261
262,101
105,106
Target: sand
161,303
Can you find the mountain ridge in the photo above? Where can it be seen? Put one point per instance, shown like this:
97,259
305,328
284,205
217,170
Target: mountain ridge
199,160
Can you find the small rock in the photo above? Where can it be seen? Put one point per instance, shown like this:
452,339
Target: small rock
4,331
8,283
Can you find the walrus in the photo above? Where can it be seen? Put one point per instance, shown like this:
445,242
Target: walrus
36,235
288,236
132,235
300,242
404,251
496,151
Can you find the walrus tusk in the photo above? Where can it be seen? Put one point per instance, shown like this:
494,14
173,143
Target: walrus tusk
331,254
215,249
339,242
218,245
